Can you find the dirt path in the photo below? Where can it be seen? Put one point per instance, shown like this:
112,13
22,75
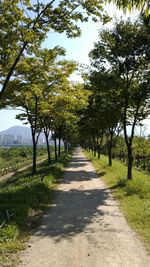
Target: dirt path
84,228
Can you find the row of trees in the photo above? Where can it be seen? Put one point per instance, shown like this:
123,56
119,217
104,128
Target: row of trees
24,26
48,101
120,82
36,80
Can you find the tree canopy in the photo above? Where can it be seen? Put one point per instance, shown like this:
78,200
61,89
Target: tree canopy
24,26
125,51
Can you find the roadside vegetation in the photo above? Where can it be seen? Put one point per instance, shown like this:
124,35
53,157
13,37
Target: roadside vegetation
14,158
115,93
134,195
23,198
141,151
120,85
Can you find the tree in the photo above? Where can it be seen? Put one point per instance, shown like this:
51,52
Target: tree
70,98
125,49
46,122
51,104
104,85
35,84
24,26
91,126
128,4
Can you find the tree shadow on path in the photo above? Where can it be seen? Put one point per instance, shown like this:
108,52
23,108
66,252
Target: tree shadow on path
75,209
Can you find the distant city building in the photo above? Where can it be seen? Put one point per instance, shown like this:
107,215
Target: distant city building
19,140
41,140
18,135
27,142
8,139
1,140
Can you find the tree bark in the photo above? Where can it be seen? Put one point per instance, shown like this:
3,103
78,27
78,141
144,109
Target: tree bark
48,149
85,145
12,68
95,148
65,146
130,162
34,156
55,145
98,151
110,154
59,146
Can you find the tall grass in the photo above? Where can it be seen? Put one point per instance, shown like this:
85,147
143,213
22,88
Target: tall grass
134,195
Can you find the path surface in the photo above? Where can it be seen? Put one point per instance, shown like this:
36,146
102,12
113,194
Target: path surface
84,228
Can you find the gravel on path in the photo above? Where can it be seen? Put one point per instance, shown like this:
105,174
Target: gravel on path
84,227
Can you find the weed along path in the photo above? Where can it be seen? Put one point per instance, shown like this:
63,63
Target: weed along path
84,227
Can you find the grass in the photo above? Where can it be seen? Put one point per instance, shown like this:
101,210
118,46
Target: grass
27,197
134,196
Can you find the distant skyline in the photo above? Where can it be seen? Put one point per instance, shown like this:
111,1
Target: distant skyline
77,49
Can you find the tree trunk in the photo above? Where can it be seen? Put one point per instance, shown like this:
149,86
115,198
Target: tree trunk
48,148
34,157
59,146
11,70
59,140
130,162
95,150
98,151
55,144
110,154
65,146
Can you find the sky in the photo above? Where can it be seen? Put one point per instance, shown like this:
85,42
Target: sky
76,49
